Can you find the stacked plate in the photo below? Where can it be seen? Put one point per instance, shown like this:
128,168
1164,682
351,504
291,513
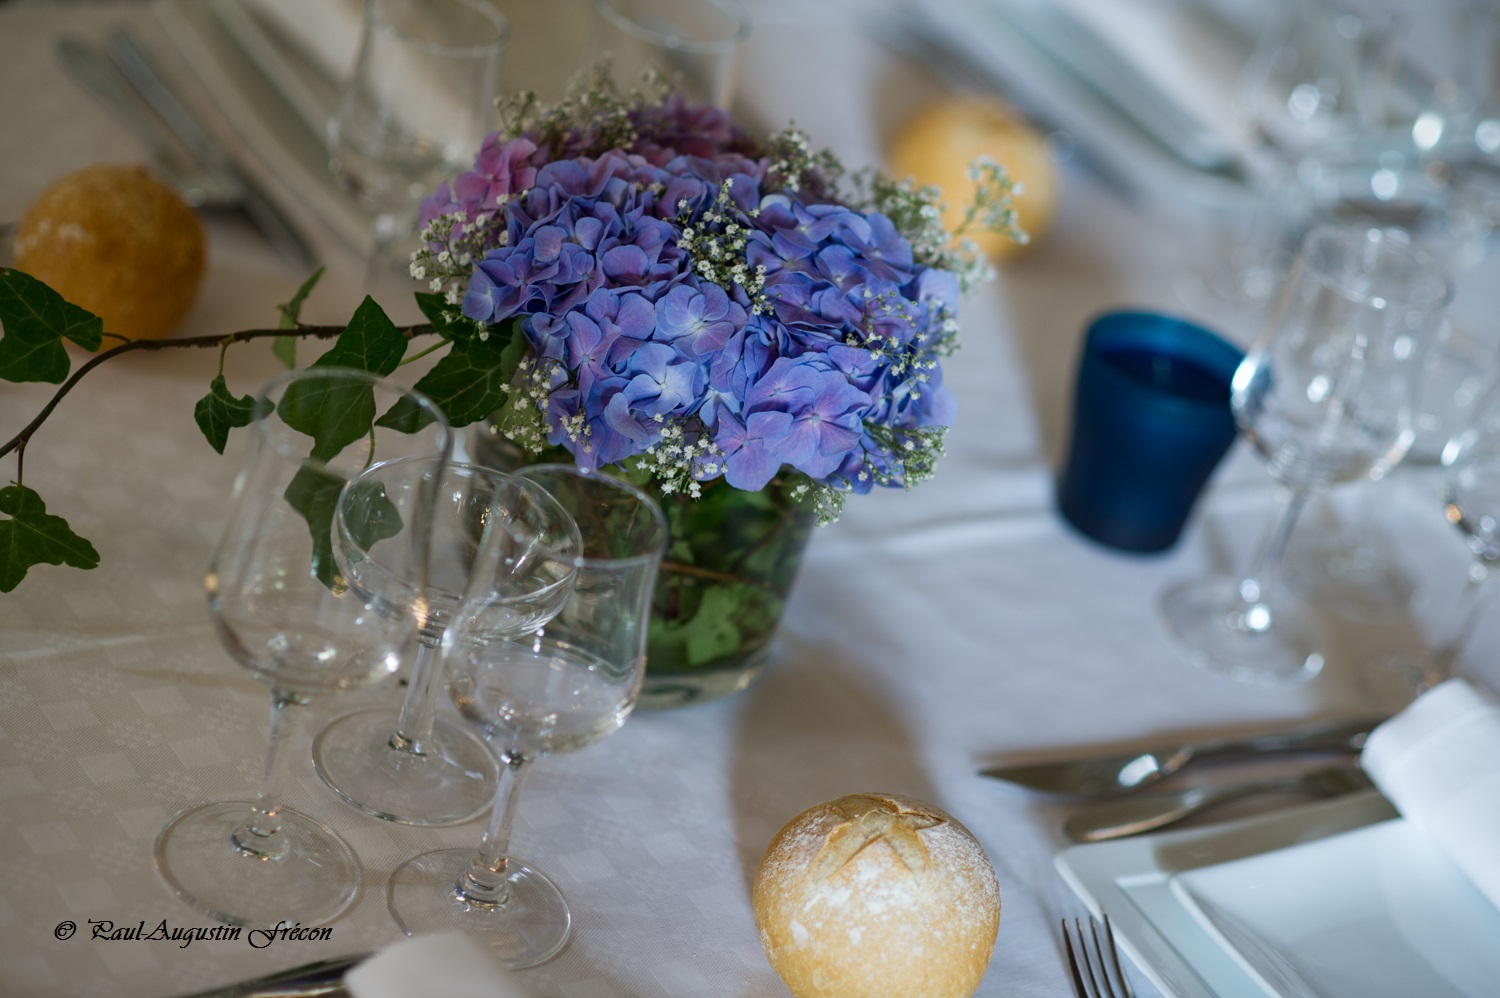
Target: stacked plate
1335,900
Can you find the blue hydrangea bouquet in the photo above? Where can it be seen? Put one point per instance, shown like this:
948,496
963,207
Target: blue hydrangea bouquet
737,322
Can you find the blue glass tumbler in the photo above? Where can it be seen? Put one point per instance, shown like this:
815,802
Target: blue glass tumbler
1151,421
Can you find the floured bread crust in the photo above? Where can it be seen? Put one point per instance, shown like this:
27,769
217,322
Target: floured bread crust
877,896
118,242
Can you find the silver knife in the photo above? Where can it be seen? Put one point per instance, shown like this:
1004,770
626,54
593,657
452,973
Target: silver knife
141,71
323,979
1103,775
1140,813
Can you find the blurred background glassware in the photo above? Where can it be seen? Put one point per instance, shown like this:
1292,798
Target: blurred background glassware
416,105
1151,421
1471,502
1325,395
1318,76
695,44
1351,570
284,611
410,765
568,683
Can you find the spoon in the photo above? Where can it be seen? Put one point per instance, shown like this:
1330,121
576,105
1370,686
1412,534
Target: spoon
1149,812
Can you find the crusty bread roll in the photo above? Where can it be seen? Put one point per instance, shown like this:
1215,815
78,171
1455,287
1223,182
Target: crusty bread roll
118,242
877,896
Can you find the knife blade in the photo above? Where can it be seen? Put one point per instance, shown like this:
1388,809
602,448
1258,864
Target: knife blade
1115,773
141,71
1141,813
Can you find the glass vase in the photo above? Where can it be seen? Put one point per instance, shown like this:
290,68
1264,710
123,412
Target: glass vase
732,558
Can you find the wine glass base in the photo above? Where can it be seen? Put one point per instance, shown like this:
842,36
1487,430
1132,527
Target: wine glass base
313,878
452,781
1202,616
530,928
1356,580
1400,677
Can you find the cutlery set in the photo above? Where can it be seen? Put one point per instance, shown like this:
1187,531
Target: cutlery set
125,77
1112,781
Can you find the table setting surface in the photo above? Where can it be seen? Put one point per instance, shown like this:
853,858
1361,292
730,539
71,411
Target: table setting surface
931,633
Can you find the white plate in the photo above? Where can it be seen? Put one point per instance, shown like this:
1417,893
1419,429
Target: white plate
1378,911
1131,881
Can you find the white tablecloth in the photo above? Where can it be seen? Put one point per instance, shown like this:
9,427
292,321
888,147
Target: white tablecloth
930,631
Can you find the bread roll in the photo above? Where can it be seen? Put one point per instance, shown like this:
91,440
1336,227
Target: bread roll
118,242
877,896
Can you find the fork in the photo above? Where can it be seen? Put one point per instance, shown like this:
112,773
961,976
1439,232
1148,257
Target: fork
1087,956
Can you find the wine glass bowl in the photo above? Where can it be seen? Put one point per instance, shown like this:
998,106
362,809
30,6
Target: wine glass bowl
415,106
288,615
410,765
567,683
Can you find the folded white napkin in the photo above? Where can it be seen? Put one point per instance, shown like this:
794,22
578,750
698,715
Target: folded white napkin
1438,762
445,963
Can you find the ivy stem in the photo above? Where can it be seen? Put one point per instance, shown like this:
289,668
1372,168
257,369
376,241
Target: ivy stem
18,442
423,353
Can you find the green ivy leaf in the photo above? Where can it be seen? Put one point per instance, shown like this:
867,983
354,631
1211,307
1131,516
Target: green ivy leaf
32,536
370,514
468,384
435,307
336,415
285,347
371,342
291,311
315,495
36,320
218,412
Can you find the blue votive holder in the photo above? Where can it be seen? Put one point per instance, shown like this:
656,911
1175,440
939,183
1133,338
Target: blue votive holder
1151,421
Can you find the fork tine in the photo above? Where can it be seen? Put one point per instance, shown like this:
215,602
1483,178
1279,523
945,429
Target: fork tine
1106,989
1073,960
1114,955
1087,953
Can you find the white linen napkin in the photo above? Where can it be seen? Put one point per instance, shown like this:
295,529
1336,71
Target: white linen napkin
446,963
1438,762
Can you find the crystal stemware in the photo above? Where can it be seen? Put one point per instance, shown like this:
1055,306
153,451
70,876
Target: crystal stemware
410,765
1471,503
285,612
1316,80
1325,395
563,685
415,107
695,44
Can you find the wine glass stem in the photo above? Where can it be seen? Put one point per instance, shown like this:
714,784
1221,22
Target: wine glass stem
486,880
382,238
419,709
261,835
1467,616
1252,611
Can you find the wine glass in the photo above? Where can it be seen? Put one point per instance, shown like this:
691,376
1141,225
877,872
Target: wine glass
695,44
415,108
285,612
566,684
1317,79
1471,502
1325,395
409,765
